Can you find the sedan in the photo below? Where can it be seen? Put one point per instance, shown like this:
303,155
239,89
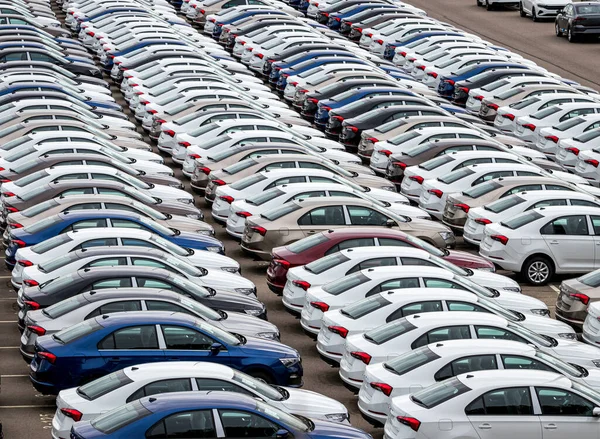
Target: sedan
548,139
573,303
539,10
578,21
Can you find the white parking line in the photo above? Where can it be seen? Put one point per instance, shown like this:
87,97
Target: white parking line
5,277
9,347
554,288
9,321
26,406
13,376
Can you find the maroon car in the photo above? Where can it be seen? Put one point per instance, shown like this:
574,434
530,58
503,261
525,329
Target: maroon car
321,244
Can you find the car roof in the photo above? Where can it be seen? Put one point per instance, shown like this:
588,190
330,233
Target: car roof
455,318
534,195
485,167
370,251
408,270
183,369
108,320
567,210
529,179
80,168
416,294
511,378
319,201
197,400
298,187
273,173
117,232
123,251
374,232
126,270
481,346
131,293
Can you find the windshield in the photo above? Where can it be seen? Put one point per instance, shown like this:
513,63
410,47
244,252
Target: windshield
260,387
459,174
172,248
569,123
546,112
411,360
436,162
504,203
50,244
530,335
295,422
220,334
564,367
39,208
389,331
508,93
103,386
323,264
247,182
482,189
345,283
19,153
521,220
263,197
386,127
278,212
440,392
364,307
133,181
591,279
307,243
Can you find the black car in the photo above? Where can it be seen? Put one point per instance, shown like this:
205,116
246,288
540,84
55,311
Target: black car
346,24
323,15
356,31
578,20
92,279
48,66
352,128
31,54
297,51
462,88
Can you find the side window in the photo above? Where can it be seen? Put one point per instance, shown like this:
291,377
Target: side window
123,306
485,148
388,242
456,149
363,216
502,402
547,203
323,216
467,364
261,153
156,305
517,362
77,176
440,283
84,206
567,225
522,188
411,282
239,424
575,113
317,179
105,177
86,224
556,187
143,262
106,242
596,224
145,282
375,262
586,203
560,402
137,242
473,162
442,334
309,165
210,384
593,126
416,308
117,282
181,338
164,386
81,191
502,160
491,176
106,262
286,180
465,306
106,191
193,424
280,165
117,206
486,332
417,261
122,223
135,337
342,194
312,194
527,174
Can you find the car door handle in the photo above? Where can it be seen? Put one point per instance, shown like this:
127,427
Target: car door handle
173,359
554,242
550,426
311,232
485,427
115,359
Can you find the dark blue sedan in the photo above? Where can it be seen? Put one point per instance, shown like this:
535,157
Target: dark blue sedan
208,415
91,218
110,342
446,85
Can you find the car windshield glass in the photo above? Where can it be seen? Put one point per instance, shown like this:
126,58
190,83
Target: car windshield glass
53,264
569,123
587,136
519,105
103,386
495,85
203,129
591,279
72,333
459,174
64,307
280,211
345,283
172,248
587,9
294,422
405,137
199,309
530,335
307,243
469,285
498,310
247,182
521,220
263,197
508,93
19,153
51,243
439,393
14,143
27,180
120,417
364,307
240,166
260,387
387,127
326,263
222,335
389,331
19,169
39,208
447,63
436,162
482,189
545,112
504,203
40,225
564,367
410,360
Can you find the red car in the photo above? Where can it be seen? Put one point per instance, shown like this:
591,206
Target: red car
321,244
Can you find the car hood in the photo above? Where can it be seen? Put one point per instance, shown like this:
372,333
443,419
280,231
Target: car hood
492,280
236,302
547,326
340,156
246,325
575,352
206,259
311,404
468,260
333,430
187,225
220,280
168,193
268,348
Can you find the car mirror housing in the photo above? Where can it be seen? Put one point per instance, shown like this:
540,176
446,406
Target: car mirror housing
595,412
215,348
390,223
284,434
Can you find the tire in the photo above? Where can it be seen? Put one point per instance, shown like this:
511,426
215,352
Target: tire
537,270
262,376
521,11
572,38
557,30
534,16
489,6
478,3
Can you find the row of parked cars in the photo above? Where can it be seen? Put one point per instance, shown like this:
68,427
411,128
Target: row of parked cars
124,293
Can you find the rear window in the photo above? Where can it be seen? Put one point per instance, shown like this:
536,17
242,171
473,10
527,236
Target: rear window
522,220
411,360
508,93
39,208
504,203
278,212
386,127
568,124
363,307
21,182
482,189
40,225
120,417
389,331
495,85
307,243
77,331
456,175
545,112
50,244
263,197
104,385
326,263
345,283
436,162
64,306
591,279
586,137
240,166
439,393
247,182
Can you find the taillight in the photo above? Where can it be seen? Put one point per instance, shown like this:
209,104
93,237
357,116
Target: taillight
529,126
340,330
509,116
243,214
438,193
227,198
19,243
464,89
493,106
500,238
72,413
353,129
32,305
417,178
320,306
24,263
478,98
432,74
399,165
449,81
301,284
362,356
205,170
194,156
90,33
31,282
372,139
552,138
385,152
592,162
462,206
413,423
219,182
580,297
421,67
10,208
16,225
340,118
8,194
573,150
386,389
184,144
313,100
379,42
50,358
169,133
259,55
282,262
38,330
260,230
483,221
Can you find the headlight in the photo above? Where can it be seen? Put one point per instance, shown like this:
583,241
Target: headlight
233,270
446,236
253,312
159,161
568,335
185,200
182,200
337,417
490,269
389,188
289,362
541,312
194,216
596,363
514,290
269,335
213,249
206,232
246,291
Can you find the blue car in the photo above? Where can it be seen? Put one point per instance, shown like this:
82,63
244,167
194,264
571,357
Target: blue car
219,24
335,18
303,57
85,219
446,85
111,342
5,91
107,12
26,27
208,415
138,45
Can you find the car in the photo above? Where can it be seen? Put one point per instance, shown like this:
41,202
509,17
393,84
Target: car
590,325
437,362
237,417
467,398
575,299
518,199
541,10
322,244
578,20
306,217
560,240
76,309
304,280
134,334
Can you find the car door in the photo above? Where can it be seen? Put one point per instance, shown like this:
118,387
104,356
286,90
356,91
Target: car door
183,343
128,346
187,424
565,412
444,333
365,216
504,413
242,424
321,218
569,240
471,363
596,229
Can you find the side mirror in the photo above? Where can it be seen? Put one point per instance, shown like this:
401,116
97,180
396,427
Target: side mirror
282,434
596,412
390,223
215,348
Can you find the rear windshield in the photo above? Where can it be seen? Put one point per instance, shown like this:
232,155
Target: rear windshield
508,93
387,332
545,112
247,182
495,85
120,417
363,307
522,104
64,307
410,361
504,203
587,9
386,127
307,243
591,279
436,162
439,393
345,283
456,175
51,243
74,332
104,385
326,263
482,189
278,212
240,166
522,220
586,137
40,225
39,208
24,181
569,123
263,197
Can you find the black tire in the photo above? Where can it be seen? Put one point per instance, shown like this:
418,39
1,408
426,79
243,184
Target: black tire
262,376
489,6
478,3
557,30
534,16
521,11
572,38
537,270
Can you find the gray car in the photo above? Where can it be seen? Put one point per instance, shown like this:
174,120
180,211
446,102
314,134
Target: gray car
574,297
92,304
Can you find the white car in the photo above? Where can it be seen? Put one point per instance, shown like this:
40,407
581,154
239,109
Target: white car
587,160
547,141
409,333
53,248
540,9
423,367
420,66
434,193
434,73
261,36
515,403
404,54
370,34
508,207
544,241
254,56
131,383
591,325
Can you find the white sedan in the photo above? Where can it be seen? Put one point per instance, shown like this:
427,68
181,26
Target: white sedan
547,141
423,367
89,401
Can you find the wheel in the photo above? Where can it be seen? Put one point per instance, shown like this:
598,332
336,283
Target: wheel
478,3
537,270
572,38
557,30
262,376
521,11
534,16
489,6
